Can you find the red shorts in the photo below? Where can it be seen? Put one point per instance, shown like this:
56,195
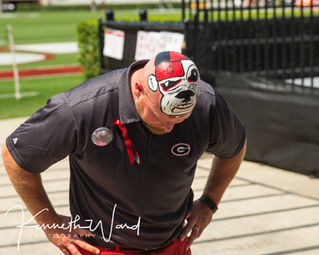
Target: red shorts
176,248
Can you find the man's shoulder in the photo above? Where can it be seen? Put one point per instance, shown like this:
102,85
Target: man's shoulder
207,94
206,88
101,86
210,97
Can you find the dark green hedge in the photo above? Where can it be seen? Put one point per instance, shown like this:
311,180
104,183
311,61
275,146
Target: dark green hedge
88,41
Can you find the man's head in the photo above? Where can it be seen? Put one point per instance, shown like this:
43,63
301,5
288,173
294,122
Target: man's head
169,86
177,79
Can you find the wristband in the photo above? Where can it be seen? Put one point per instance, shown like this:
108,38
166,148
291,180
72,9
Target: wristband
210,203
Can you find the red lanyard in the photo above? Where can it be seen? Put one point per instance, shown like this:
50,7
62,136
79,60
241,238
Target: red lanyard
130,147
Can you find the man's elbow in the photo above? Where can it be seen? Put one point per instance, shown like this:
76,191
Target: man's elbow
5,153
244,148
7,160
12,167
241,154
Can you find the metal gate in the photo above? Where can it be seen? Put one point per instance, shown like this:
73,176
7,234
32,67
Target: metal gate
274,39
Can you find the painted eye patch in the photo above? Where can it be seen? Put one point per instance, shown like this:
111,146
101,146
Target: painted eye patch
169,84
192,74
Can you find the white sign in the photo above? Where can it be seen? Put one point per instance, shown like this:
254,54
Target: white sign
113,43
150,43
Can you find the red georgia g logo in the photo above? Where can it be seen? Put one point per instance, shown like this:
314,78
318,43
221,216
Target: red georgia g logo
181,149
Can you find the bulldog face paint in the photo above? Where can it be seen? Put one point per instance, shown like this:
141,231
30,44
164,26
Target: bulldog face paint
178,81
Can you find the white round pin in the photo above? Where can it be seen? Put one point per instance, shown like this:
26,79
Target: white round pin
102,136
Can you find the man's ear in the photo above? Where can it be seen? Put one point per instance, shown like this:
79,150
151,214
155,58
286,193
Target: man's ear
138,90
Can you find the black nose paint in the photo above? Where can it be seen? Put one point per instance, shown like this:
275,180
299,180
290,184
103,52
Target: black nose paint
186,95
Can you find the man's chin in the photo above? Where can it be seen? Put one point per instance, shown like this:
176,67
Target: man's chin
156,130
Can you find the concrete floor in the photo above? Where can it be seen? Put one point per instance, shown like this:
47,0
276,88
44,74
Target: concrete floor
264,211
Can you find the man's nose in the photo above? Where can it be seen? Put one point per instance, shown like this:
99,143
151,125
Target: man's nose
185,95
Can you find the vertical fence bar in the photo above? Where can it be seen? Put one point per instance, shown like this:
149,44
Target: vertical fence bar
183,10
257,37
206,38
109,14
311,52
211,10
292,45
266,26
241,50
234,38
204,6
197,8
190,9
101,46
196,31
274,38
219,47
249,38
302,45
212,34
283,44
226,35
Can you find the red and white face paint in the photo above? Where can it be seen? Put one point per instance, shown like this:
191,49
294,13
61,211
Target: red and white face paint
177,78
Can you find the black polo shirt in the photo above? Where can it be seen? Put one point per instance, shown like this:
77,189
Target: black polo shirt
138,205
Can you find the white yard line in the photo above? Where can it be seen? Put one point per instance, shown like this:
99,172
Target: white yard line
21,58
53,48
35,50
23,94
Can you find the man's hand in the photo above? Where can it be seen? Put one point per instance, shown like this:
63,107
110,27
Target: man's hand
66,240
29,187
221,174
198,219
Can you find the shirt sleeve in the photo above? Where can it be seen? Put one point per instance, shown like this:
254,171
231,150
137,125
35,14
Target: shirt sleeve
228,133
48,136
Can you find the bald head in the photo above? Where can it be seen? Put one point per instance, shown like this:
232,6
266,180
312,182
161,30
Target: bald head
175,79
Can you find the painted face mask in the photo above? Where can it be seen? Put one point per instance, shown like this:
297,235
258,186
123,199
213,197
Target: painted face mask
177,78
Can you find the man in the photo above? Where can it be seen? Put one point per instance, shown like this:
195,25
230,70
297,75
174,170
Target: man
133,137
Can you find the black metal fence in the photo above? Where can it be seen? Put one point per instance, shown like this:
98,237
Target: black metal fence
277,40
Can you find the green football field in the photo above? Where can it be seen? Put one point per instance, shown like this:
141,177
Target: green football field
60,26
37,91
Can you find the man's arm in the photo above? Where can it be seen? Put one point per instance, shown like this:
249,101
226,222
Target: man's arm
221,174
29,187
